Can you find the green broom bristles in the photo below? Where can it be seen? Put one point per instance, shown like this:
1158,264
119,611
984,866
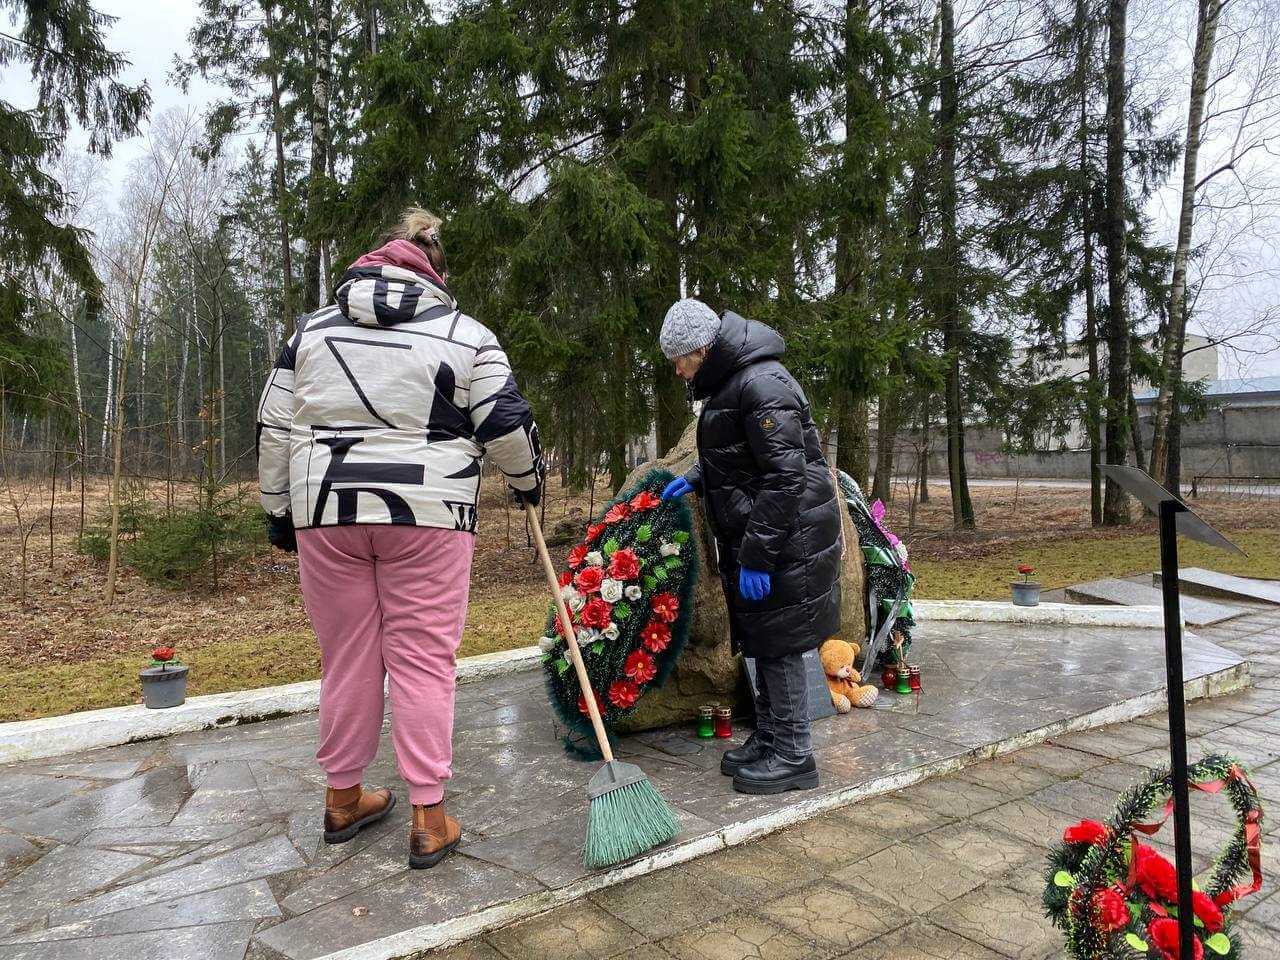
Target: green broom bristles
626,822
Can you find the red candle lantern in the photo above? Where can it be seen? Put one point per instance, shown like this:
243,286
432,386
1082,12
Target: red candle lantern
913,677
889,677
724,722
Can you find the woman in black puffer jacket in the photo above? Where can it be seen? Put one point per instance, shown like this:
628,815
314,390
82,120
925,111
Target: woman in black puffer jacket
772,506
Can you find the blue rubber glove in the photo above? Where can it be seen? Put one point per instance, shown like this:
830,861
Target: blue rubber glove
754,584
676,488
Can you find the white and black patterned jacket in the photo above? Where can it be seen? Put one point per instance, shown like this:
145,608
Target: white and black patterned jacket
381,406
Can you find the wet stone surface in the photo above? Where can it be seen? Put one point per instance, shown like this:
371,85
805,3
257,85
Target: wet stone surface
207,845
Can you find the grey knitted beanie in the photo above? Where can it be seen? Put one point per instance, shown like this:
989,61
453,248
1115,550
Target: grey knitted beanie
688,326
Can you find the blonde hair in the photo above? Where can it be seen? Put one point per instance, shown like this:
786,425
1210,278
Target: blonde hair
421,227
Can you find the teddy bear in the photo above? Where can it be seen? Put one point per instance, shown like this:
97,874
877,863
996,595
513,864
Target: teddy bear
837,663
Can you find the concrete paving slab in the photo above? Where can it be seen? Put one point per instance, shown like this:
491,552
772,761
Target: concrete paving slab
219,941
1210,583
220,813
1197,612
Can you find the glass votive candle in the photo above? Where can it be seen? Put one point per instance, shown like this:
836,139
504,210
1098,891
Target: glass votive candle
724,722
706,722
913,677
889,677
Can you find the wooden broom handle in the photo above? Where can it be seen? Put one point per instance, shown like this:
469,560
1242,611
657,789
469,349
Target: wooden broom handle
553,583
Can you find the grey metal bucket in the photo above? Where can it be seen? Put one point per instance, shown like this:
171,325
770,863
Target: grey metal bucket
163,686
1025,594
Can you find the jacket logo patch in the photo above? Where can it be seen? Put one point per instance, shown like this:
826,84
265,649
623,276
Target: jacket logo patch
768,423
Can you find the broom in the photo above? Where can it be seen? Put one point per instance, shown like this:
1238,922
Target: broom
627,814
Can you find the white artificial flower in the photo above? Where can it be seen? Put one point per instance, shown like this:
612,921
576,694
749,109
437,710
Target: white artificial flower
669,549
595,559
901,551
611,591
547,644
587,636
574,600
633,592
610,632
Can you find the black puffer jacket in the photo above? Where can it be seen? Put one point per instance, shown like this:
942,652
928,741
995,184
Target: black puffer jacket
768,492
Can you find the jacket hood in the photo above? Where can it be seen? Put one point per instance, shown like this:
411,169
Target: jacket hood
391,285
740,343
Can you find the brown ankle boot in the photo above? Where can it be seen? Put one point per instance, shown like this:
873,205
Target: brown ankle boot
432,837
349,810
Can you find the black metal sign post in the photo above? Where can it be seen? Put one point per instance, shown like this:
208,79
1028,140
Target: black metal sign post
1175,517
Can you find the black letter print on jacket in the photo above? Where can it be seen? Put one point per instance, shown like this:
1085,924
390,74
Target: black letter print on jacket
339,471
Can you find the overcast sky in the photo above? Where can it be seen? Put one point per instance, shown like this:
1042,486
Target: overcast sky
150,33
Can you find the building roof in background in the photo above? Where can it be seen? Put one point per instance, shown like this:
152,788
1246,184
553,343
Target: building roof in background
1226,388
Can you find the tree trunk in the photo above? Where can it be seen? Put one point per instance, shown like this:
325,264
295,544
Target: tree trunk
222,392
282,211
886,434
117,466
952,332
108,408
322,47
923,483
853,451
1093,412
1173,447
1115,509
1175,337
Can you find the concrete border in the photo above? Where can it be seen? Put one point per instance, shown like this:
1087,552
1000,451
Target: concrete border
411,943
92,729
1058,614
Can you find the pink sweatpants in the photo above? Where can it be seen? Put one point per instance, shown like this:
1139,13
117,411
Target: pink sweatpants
387,600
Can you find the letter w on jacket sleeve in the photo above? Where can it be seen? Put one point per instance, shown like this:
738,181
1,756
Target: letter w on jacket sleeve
502,419
275,421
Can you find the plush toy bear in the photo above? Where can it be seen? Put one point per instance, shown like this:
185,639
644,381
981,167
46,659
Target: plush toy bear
837,663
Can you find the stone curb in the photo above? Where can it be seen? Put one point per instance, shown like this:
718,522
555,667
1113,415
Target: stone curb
413,943
91,729
1058,614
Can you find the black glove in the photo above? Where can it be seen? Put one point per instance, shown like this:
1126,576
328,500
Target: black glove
530,497
281,533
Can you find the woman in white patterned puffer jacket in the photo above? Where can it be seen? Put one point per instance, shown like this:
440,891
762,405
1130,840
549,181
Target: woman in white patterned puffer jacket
371,429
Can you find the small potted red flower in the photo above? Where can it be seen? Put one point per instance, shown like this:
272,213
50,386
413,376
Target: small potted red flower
1026,592
164,683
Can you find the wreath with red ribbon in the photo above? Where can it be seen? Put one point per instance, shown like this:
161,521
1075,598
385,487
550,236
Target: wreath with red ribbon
1116,898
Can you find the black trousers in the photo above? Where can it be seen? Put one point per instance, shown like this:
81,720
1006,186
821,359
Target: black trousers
782,705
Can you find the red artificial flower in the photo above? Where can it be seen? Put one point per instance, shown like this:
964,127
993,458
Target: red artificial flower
640,667
566,578
623,694
1086,831
666,607
644,500
163,654
1208,911
655,636
593,534
1110,909
624,565
1164,934
1155,875
617,513
588,579
560,625
1026,569
595,614
578,555
582,704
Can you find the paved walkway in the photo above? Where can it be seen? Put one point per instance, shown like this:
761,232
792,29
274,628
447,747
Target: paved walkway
949,869
207,845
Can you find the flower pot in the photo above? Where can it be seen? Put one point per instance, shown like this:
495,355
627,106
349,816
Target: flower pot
1025,593
163,686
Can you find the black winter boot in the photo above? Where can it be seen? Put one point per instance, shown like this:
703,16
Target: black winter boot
756,748
776,774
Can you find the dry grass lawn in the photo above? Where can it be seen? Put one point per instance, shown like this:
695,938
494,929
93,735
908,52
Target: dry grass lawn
63,650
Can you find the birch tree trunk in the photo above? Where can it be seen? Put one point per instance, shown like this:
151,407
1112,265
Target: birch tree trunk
282,212
323,42
1175,337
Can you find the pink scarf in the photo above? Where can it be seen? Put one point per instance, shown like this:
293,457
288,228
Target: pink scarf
401,253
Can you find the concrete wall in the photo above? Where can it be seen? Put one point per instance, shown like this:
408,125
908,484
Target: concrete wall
1238,438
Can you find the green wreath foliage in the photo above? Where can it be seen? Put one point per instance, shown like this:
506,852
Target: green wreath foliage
1095,864
650,625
